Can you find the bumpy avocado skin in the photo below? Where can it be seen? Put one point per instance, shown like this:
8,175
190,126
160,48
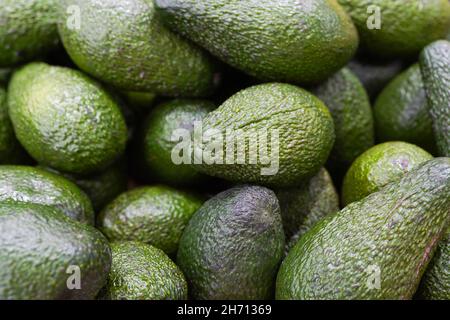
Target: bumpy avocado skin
128,35
375,75
11,152
101,188
435,284
349,105
435,67
142,272
304,206
40,251
27,30
292,41
34,185
376,248
232,246
378,166
305,135
401,111
158,145
64,119
406,26
156,215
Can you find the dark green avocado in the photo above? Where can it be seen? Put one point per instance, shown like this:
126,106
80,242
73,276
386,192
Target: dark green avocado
124,43
232,246
46,255
291,41
401,111
435,68
303,206
142,272
34,185
376,248
65,120
349,105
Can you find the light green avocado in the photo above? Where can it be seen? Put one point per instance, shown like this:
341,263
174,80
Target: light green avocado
378,166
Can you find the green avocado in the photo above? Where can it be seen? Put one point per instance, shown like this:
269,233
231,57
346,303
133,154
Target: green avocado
64,119
232,246
102,187
142,272
160,140
401,111
27,30
381,164
271,134
303,206
124,43
139,100
349,105
11,152
155,215
46,255
34,185
376,248
435,67
399,28
435,284
292,41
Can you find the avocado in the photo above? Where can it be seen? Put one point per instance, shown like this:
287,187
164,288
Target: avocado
130,36
272,134
401,111
293,41
373,74
349,105
404,28
142,272
34,185
435,284
27,30
158,143
156,215
64,119
46,255
435,68
381,164
102,187
302,206
376,248
232,246
11,152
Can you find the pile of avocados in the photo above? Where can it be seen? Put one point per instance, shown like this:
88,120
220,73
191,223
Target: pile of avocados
224,149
